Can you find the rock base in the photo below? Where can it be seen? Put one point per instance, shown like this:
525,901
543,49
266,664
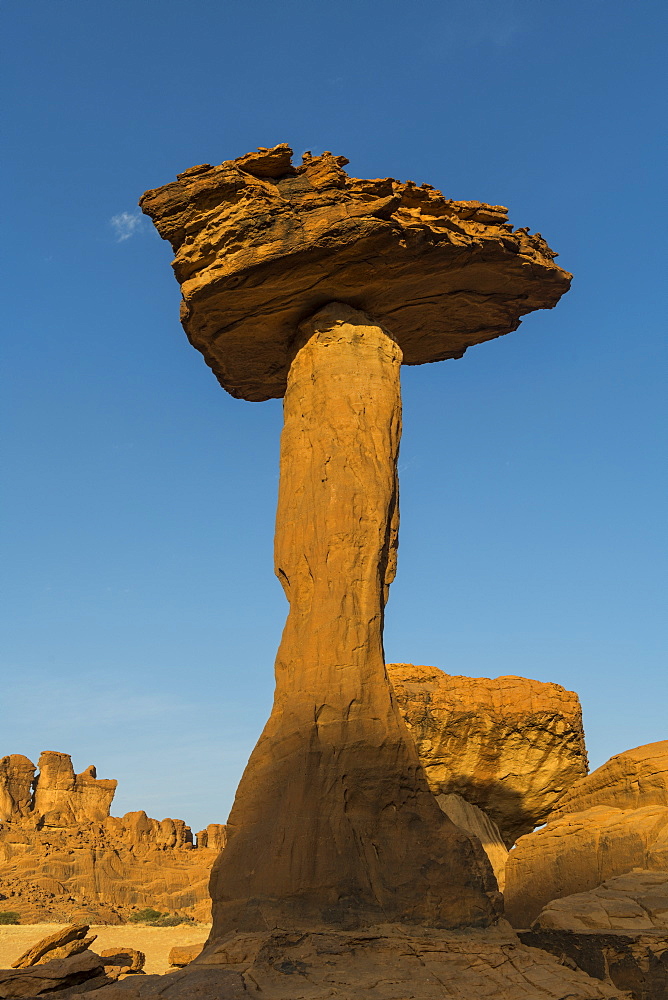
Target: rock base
391,962
637,962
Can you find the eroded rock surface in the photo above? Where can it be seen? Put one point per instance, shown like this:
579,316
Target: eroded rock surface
622,823
468,817
17,774
261,244
637,901
63,798
385,963
51,977
617,931
63,857
630,780
633,961
510,746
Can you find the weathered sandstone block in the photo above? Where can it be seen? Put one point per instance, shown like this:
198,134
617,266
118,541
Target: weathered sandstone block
51,977
579,852
617,932
64,942
510,746
637,901
629,780
63,797
622,823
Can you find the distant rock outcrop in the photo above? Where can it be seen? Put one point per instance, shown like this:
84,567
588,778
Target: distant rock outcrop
64,858
607,824
511,746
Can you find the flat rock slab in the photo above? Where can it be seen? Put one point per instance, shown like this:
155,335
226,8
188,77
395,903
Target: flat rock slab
261,244
387,963
191,984
50,977
634,962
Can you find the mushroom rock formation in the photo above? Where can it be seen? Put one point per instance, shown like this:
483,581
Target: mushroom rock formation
511,746
629,780
306,283
261,245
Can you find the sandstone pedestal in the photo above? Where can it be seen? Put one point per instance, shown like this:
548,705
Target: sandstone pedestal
333,821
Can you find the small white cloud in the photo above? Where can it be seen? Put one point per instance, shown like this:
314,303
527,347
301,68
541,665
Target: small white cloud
125,225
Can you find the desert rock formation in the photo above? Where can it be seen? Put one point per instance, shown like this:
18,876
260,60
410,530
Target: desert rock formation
17,774
511,746
617,931
622,823
53,977
468,817
304,282
630,780
63,857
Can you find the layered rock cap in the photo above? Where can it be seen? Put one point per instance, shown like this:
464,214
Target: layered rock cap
262,244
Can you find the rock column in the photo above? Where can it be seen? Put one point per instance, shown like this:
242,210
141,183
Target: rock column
333,823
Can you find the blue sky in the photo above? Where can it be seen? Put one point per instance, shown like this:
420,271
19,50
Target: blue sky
140,614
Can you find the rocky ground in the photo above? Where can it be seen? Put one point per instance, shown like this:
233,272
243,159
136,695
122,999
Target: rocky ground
155,942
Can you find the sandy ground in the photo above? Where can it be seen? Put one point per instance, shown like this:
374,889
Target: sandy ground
155,942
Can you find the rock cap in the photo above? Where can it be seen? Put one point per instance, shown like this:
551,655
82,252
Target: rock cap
262,244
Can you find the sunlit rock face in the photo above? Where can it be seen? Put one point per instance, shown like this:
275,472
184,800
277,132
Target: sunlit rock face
509,745
261,244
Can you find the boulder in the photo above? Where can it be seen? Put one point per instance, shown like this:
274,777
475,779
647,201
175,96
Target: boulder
617,932
51,977
64,942
510,746
637,901
184,954
621,823
122,962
